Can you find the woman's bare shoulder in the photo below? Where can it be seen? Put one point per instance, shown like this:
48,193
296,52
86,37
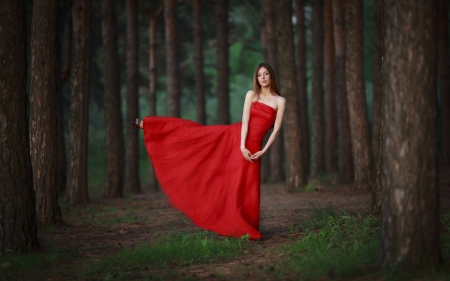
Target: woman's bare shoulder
281,99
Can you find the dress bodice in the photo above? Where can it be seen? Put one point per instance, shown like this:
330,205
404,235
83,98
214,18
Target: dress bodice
262,118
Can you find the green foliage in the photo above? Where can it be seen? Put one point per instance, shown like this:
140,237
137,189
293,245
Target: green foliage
336,245
176,249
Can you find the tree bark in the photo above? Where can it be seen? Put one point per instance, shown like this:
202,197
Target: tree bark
318,144
265,160
223,103
77,190
330,103
410,226
43,112
276,149
345,155
132,182
302,83
359,122
295,174
173,76
444,80
114,143
198,59
18,228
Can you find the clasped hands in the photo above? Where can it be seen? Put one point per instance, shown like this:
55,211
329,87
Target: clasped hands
250,157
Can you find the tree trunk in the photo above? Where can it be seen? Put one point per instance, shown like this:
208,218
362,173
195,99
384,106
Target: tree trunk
377,62
18,229
77,190
173,76
65,62
378,104
330,103
295,174
410,226
318,144
265,160
43,112
114,150
444,81
359,122
223,103
153,20
276,149
132,183
345,143
198,58
302,83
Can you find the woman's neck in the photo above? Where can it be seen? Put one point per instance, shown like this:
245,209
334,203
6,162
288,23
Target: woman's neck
265,91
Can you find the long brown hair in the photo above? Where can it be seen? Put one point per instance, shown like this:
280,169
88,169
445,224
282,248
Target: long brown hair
273,80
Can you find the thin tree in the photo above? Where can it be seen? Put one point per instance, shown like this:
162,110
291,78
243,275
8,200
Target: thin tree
359,122
114,139
152,22
77,191
295,174
276,150
173,75
410,225
302,83
64,71
198,59
378,97
132,183
331,160
223,103
318,130
444,80
18,227
43,111
345,156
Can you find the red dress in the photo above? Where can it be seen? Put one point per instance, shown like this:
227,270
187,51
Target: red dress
203,173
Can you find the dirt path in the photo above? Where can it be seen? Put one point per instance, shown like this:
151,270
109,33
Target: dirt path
105,226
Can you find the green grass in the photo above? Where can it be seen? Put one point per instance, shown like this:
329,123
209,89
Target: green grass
175,250
28,265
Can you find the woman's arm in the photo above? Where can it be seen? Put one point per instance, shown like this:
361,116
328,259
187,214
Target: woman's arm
245,118
276,128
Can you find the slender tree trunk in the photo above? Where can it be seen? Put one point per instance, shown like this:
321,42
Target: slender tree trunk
410,227
114,170
18,228
223,103
276,149
66,55
198,59
153,19
295,174
265,175
331,160
77,190
378,104
302,83
444,80
359,122
132,183
377,86
173,76
345,143
43,111
318,144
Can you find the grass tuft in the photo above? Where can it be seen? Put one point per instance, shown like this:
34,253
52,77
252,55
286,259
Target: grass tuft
176,249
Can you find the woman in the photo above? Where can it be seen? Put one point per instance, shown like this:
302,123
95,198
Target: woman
212,173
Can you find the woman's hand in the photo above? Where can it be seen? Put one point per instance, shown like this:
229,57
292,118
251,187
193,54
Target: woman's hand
257,155
247,155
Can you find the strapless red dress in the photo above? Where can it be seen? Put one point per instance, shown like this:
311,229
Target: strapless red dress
203,173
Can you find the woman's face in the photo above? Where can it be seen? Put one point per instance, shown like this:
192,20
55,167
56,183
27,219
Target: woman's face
263,77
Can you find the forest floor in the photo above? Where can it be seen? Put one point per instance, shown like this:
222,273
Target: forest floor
105,227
